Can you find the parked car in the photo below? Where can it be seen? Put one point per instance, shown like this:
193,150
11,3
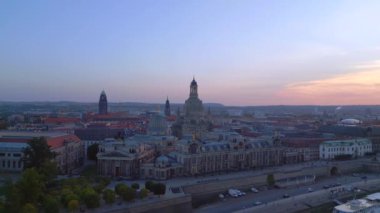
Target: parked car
326,186
310,189
253,189
355,175
285,195
257,203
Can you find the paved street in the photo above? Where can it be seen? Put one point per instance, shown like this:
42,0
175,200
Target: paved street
234,204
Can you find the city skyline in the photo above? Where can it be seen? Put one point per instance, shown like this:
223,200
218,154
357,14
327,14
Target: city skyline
242,53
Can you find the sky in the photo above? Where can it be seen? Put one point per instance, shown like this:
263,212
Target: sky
241,52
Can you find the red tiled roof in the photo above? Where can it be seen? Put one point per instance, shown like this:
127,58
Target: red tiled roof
56,142
62,120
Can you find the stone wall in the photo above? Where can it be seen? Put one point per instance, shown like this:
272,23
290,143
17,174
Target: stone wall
168,205
205,192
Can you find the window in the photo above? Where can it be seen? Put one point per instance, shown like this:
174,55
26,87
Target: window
2,154
16,155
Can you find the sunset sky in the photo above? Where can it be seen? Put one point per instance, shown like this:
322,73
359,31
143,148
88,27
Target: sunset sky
322,52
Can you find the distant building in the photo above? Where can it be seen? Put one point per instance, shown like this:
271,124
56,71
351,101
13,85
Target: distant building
103,104
167,108
117,158
353,147
68,148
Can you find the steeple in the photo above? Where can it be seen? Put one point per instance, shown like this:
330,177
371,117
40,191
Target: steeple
167,107
103,104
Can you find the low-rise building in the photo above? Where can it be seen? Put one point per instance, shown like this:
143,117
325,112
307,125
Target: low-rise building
68,148
354,147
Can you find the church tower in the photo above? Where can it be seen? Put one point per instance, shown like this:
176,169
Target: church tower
194,89
103,104
167,107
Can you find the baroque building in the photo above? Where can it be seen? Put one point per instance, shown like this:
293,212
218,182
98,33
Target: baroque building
103,104
194,120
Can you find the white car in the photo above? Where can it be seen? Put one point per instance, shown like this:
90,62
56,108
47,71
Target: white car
257,203
233,193
253,189
310,190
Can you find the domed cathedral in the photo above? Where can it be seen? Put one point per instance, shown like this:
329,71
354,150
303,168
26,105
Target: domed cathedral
103,104
195,120
193,105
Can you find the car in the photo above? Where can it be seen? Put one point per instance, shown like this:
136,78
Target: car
253,189
364,177
326,186
233,193
286,196
257,203
310,189
243,193
355,175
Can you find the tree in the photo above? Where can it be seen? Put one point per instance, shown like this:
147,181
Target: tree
135,186
270,180
50,204
73,205
31,186
92,150
149,185
48,170
109,196
120,188
90,198
37,153
159,188
129,194
29,208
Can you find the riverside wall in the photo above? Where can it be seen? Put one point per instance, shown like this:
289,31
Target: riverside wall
205,192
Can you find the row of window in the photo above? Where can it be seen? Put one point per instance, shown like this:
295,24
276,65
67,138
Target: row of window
9,154
11,164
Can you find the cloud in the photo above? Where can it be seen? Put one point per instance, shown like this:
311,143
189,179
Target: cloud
360,87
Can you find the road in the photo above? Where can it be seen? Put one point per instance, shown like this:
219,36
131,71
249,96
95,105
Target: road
234,204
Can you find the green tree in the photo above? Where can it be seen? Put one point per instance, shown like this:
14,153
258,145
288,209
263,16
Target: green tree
270,180
92,150
49,170
73,205
143,193
149,185
90,197
50,204
120,189
37,153
12,197
128,194
31,186
29,208
109,196
159,188
135,186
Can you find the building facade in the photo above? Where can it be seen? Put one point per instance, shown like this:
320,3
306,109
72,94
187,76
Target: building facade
354,147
